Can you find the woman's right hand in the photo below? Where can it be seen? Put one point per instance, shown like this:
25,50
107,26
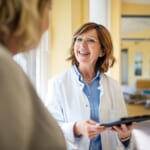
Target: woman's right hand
87,128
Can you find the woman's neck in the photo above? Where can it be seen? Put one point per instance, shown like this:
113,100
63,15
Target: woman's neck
87,73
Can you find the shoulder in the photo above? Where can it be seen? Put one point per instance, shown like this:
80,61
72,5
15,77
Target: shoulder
63,77
105,79
5,58
11,73
8,67
7,64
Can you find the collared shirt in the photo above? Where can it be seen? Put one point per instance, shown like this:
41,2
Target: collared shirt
93,94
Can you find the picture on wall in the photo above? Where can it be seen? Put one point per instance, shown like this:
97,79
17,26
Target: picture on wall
138,64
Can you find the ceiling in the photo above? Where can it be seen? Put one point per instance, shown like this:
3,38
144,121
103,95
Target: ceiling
131,25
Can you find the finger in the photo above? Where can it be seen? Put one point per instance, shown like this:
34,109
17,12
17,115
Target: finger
96,126
116,128
109,128
124,128
123,131
100,127
91,122
132,126
92,135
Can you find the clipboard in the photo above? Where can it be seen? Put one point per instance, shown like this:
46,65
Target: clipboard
126,120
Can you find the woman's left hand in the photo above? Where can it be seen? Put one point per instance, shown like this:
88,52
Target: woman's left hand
124,131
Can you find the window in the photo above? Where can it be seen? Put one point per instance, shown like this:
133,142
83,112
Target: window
35,63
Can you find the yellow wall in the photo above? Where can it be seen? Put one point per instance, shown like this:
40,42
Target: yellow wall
115,33
66,16
60,31
135,9
134,47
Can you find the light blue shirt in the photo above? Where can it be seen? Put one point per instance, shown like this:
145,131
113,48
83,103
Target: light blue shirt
93,94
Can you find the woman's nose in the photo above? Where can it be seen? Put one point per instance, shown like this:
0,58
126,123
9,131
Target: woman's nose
84,43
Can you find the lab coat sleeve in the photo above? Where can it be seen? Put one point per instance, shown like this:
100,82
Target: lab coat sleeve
55,104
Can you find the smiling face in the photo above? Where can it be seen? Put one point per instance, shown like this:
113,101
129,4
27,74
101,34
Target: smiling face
92,48
87,48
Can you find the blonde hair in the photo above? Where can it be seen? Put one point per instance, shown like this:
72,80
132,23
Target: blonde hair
22,19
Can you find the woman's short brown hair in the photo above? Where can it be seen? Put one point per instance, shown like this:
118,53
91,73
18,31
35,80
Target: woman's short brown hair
22,18
104,37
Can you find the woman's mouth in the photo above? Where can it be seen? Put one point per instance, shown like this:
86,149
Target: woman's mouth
83,53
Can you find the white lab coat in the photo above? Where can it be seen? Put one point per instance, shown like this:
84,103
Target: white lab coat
68,104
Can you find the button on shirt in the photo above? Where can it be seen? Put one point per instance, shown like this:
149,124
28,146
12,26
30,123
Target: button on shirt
92,92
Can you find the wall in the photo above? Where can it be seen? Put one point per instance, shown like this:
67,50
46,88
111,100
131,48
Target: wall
66,16
115,28
135,9
133,47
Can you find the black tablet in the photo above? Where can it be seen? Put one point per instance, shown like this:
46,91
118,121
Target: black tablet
126,120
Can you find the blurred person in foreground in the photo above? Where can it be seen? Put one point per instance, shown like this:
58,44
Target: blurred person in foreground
25,124
83,97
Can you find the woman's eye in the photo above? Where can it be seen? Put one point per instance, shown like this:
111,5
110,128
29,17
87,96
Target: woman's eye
87,40
79,39
90,40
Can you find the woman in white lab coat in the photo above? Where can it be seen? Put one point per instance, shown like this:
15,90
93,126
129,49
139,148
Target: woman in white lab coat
84,96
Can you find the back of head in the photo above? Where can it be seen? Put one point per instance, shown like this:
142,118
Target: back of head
21,19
